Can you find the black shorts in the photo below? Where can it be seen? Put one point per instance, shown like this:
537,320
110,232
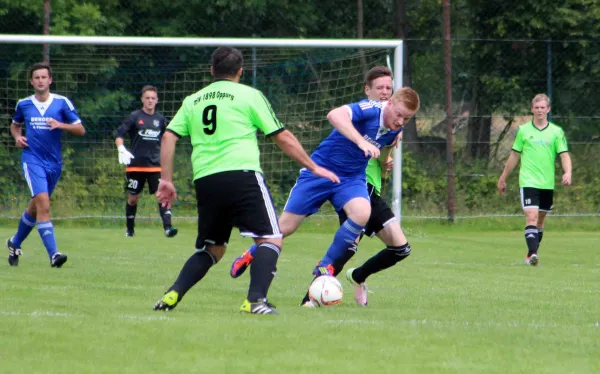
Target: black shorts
234,199
537,198
135,180
381,214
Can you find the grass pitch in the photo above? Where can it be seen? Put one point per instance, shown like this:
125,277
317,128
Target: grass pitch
463,302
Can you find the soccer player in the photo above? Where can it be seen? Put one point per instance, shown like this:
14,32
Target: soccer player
145,129
45,116
382,222
537,143
222,120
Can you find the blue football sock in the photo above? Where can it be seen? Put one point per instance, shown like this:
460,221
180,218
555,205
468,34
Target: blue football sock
344,237
26,224
46,230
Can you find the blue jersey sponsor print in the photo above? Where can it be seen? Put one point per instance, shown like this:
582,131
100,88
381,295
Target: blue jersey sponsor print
340,155
44,144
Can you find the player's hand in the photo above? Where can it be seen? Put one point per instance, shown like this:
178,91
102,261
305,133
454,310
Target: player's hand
324,173
501,186
21,142
166,194
125,156
54,124
566,179
369,149
388,164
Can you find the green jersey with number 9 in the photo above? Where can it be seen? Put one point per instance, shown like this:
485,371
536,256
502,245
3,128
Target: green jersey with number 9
221,121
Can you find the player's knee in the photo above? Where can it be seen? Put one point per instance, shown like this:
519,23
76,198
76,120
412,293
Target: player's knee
42,205
288,224
216,251
360,218
132,199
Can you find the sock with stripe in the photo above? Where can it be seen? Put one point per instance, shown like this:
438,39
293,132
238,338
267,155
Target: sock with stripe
130,211
344,237
165,215
26,225
46,230
531,238
263,270
386,258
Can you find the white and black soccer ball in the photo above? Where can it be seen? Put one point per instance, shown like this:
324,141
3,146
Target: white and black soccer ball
326,290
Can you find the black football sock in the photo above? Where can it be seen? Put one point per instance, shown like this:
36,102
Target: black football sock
386,258
262,271
130,211
531,237
306,298
338,265
540,236
165,215
193,271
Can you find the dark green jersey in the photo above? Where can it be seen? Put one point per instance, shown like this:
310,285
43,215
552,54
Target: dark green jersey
221,121
538,150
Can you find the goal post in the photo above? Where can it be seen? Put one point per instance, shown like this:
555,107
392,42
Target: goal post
303,78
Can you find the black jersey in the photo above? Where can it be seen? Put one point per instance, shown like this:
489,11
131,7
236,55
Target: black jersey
145,132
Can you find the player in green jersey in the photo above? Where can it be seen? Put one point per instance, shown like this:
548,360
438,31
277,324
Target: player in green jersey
222,120
537,143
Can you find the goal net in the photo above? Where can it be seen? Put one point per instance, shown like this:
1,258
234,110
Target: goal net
104,83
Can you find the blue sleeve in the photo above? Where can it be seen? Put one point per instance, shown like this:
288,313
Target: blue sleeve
19,117
361,111
70,113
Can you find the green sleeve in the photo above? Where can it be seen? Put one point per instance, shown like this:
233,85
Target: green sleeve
263,115
560,142
518,144
180,123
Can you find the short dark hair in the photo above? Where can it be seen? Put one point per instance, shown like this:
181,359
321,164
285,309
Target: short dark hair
226,62
40,66
377,72
149,88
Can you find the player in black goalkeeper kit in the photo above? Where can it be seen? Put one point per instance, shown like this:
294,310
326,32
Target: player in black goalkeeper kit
145,128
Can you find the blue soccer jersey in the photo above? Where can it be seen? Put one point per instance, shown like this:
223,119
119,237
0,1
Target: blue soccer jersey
340,155
44,144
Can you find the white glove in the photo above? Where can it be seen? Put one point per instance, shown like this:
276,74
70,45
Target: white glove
125,156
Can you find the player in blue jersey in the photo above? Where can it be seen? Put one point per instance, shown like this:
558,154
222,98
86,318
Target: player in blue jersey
361,130
382,222
45,116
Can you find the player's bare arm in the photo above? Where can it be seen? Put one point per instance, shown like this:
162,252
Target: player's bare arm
166,192
292,147
75,128
385,158
340,119
512,161
565,160
17,133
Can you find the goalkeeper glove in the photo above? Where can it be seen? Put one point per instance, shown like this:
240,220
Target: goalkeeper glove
125,156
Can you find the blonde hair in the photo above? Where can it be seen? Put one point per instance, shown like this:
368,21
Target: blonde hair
540,97
408,96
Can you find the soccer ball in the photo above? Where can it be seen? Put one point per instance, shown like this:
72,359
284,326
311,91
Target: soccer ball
325,290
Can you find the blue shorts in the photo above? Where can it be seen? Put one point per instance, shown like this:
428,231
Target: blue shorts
41,178
310,192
